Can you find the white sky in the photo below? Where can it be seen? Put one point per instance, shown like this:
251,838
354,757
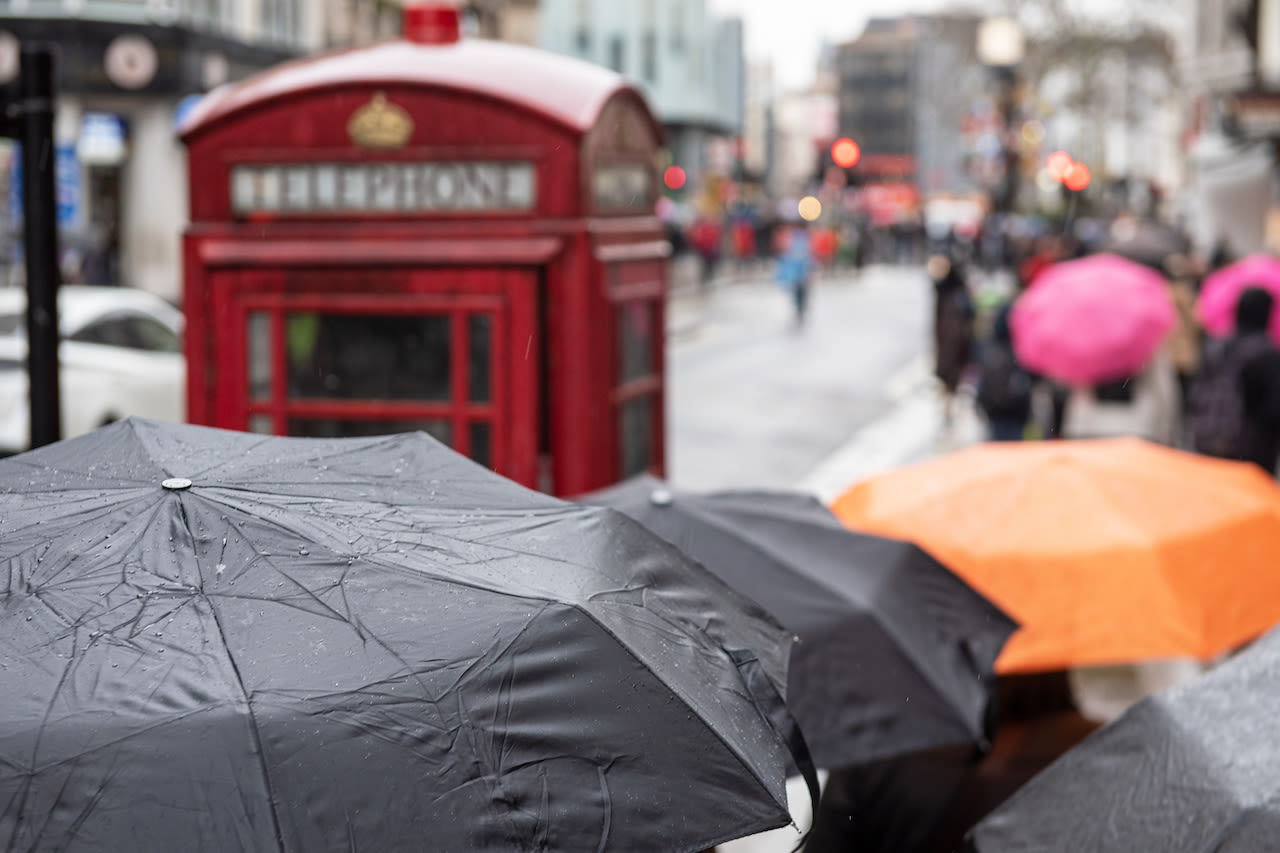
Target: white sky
789,32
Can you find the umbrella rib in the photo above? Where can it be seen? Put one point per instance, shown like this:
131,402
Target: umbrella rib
259,749
745,691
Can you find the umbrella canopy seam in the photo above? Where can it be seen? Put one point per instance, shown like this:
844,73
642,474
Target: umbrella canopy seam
258,750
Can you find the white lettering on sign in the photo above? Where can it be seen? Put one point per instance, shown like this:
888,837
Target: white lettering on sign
308,188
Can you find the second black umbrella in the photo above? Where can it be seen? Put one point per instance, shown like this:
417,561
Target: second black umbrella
895,654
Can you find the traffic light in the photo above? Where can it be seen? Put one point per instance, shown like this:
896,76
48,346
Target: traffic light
1077,177
845,153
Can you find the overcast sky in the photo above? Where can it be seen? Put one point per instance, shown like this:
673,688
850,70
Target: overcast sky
790,31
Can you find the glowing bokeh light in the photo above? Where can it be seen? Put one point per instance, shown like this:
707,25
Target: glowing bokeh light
845,153
1058,164
674,177
1033,133
1077,177
1045,182
809,208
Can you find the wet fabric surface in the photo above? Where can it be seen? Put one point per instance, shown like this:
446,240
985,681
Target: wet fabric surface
894,653
1190,770
359,644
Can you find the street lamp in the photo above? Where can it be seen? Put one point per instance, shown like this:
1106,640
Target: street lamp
1001,48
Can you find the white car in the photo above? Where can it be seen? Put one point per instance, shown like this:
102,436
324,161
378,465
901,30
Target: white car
121,355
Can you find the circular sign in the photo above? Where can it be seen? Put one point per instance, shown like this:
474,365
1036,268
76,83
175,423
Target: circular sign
130,62
9,56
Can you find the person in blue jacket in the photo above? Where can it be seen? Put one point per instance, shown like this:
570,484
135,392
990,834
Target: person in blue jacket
796,267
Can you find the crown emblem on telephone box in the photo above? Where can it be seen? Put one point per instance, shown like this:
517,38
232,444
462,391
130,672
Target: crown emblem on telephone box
380,124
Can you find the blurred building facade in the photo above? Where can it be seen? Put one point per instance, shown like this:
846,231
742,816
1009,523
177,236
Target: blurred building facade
689,63
514,21
908,88
1230,170
127,71
878,88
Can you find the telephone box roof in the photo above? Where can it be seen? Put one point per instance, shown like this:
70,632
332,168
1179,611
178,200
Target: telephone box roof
567,91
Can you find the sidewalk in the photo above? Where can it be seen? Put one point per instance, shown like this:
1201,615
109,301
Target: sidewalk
913,431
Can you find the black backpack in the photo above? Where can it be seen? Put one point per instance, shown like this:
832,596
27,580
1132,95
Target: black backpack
1217,420
1004,388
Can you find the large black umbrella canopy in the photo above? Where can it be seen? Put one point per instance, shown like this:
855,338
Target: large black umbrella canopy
222,641
895,653
1190,770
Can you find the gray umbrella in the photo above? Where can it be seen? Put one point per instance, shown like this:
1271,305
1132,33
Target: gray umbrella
221,641
895,653
1190,770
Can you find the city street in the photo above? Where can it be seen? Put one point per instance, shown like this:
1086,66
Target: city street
756,402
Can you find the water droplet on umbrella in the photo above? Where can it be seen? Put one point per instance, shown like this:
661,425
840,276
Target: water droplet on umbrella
303,551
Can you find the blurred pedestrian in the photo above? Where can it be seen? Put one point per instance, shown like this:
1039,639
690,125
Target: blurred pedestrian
1145,405
796,267
1223,254
1004,385
1235,411
1187,339
953,315
705,236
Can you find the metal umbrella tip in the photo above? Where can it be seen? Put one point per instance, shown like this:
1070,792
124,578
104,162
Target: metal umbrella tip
176,484
661,497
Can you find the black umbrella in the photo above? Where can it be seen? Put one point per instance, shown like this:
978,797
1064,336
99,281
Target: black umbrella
221,641
1192,769
895,653
1148,243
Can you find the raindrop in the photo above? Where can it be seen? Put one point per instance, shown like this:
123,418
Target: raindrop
220,568
29,618
302,550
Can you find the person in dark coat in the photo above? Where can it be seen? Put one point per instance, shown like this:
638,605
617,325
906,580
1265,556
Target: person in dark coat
952,326
1259,380
1004,385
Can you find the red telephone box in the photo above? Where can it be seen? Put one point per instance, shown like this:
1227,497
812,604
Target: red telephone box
450,235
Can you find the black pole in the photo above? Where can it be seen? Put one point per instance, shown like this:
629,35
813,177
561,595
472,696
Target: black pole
40,237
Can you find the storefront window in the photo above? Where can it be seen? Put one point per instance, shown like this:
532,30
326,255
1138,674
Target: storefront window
635,428
437,428
370,357
481,434
260,356
480,341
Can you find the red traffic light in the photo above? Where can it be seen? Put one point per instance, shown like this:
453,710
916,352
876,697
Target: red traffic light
1058,164
1077,177
674,177
845,153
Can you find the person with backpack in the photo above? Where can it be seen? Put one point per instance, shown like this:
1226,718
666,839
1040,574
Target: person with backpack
1235,412
1004,385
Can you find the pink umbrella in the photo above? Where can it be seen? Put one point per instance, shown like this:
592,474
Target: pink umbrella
1216,306
1092,320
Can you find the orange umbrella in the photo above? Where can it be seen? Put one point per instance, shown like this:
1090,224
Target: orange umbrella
1105,551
